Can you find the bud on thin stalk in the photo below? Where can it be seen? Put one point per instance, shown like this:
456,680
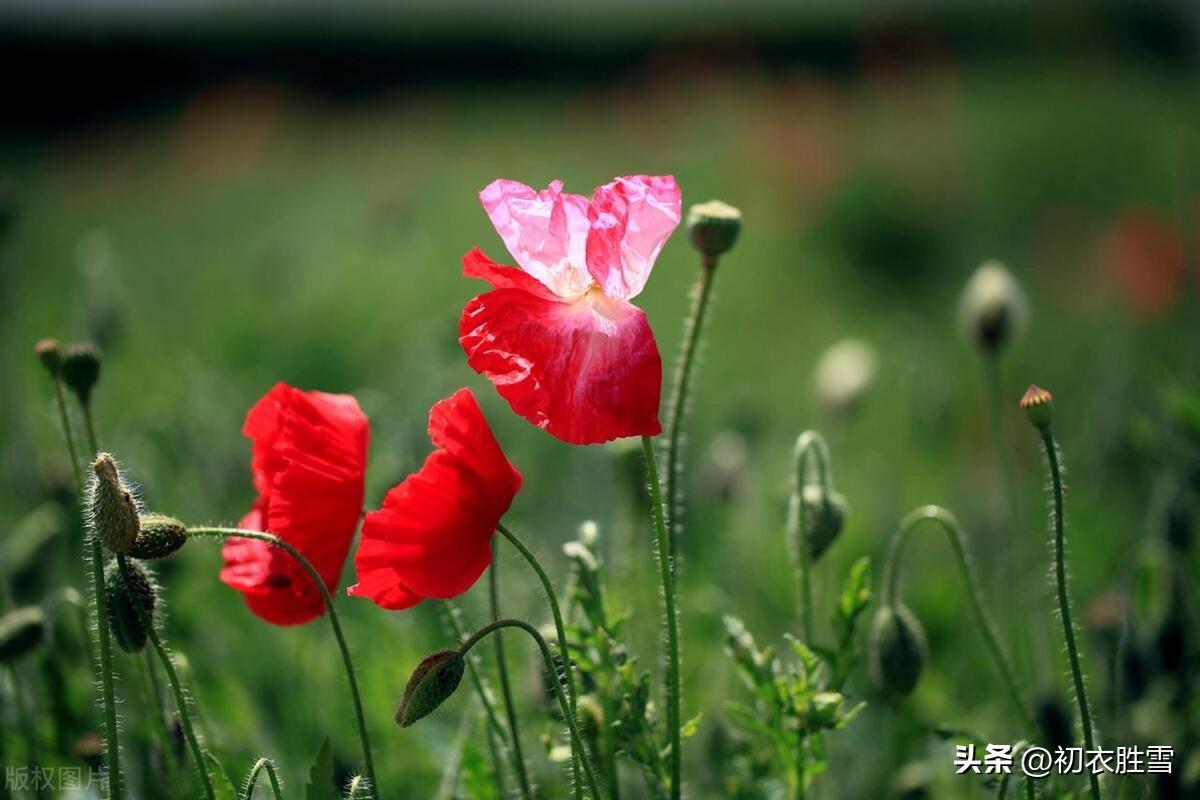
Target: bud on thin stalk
992,309
713,228
112,513
81,369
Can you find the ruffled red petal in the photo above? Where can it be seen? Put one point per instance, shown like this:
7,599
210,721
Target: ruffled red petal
432,537
586,371
309,456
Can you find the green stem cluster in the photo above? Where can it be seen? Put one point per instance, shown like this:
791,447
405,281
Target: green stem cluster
958,543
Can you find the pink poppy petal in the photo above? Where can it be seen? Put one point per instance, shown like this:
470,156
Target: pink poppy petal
631,219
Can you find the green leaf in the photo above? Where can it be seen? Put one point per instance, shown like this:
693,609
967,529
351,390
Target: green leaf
321,784
691,727
855,597
223,786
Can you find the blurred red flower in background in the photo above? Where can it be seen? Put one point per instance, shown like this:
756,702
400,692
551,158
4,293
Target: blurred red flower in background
309,455
433,535
558,337
1146,255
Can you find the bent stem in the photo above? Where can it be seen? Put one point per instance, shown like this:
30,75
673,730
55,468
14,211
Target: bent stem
958,543
567,674
667,570
185,717
572,724
112,744
506,688
262,765
1064,598
680,389
809,442
335,623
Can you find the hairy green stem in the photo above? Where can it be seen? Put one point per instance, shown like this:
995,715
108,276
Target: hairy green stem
262,765
572,723
1064,598
334,622
958,543
506,686
357,790
680,388
808,443
666,567
560,630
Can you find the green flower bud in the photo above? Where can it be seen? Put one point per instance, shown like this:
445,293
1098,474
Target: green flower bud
1038,405
112,513
824,710
825,515
432,683
50,354
21,630
896,649
122,589
713,227
159,537
992,309
81,368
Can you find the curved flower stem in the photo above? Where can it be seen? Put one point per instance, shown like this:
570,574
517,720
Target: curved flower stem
335,623
263,764
958,543
498,732
357,790
572,724
568,674
666,567
185,717
809,442
1064,598
680,389
112,744
506,687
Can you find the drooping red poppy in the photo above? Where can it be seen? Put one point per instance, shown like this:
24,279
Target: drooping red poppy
433,535
309,454
558,337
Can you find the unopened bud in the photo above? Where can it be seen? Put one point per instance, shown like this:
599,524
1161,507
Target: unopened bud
714,227
159,537
432,683
896,649
21,630
81,369
824,710
1038,405
992,308
825,516
845,373
124,591
112,512
49,353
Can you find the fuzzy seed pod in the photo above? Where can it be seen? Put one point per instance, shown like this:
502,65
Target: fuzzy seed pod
896,649
112,512
21,630
81,368
1038,405
121,590
992,309
432,683
50,354
713,227
825,514
159,537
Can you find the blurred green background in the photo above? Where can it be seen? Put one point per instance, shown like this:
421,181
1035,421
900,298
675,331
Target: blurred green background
227,209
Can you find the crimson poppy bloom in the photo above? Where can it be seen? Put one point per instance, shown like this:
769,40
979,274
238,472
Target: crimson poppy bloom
558,337
308,458
433,535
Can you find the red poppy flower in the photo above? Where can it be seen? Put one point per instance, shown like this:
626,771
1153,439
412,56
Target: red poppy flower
558,337
433,535
309,455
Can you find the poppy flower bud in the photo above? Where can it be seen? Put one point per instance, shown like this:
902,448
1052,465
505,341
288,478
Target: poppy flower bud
432,683
1038,405
81,368
896,649
21,630
845,373
826,516
824,710
992,308
112,513
122,589
49,353
159,537
713,227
